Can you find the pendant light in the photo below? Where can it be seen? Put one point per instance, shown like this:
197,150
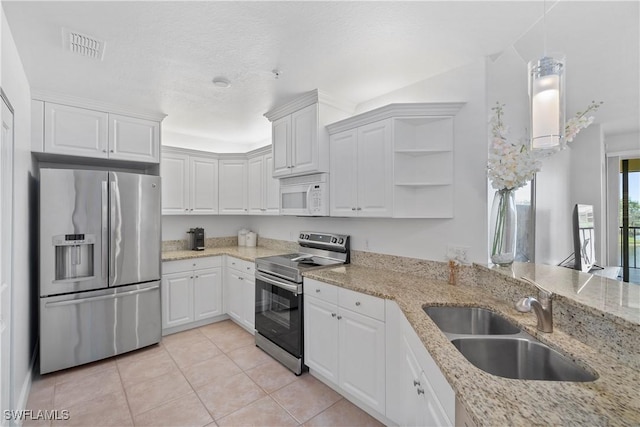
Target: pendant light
546,98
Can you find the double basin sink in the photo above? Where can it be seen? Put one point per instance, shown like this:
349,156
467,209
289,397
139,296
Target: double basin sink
497,346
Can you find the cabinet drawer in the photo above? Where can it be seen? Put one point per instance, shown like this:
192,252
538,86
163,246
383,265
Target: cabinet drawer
323,291
241,265
191,264
361,303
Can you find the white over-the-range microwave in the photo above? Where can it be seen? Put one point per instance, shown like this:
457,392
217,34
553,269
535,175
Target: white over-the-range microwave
306,195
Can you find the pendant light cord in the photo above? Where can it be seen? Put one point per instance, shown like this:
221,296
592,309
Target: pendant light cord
544,28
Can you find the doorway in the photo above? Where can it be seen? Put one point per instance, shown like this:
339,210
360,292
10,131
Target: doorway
629,219
6,245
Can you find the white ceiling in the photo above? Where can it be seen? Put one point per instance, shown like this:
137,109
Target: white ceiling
161,56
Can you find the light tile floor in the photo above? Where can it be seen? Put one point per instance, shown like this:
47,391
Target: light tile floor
213,375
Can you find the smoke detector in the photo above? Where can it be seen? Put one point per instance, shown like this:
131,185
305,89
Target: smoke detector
82,44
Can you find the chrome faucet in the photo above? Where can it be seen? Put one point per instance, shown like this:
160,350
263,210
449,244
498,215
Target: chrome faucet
543,308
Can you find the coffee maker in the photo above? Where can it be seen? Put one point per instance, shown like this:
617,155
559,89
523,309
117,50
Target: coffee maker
196,239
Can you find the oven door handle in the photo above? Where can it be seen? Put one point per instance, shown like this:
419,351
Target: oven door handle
296,289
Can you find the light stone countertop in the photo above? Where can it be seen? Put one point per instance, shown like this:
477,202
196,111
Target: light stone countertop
613,399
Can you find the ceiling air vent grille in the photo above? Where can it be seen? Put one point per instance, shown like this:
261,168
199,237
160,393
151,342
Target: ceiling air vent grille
82,44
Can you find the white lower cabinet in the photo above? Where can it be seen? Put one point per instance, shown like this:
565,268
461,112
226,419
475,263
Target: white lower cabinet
345,341
191,293
417,392
239,292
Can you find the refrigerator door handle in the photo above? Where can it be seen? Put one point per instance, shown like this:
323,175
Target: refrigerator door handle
114,236
100,298
105,228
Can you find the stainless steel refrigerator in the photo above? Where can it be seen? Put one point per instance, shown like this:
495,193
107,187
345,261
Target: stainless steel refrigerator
99,265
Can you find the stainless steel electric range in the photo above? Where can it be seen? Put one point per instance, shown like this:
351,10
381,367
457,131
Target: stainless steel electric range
279,312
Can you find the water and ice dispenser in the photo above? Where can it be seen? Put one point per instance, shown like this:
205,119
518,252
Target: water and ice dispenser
74,255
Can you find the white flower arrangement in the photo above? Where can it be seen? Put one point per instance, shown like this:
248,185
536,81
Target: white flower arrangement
512,164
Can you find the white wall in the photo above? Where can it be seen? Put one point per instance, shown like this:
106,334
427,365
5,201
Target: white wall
24,327
175,139
423,238
623,143
174,227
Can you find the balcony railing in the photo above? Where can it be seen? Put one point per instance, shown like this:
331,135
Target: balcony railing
634,250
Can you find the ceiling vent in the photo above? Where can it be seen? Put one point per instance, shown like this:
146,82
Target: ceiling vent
82,44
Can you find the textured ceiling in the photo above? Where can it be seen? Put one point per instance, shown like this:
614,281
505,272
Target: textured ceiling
162,56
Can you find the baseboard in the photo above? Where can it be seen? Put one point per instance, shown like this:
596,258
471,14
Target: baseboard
26,384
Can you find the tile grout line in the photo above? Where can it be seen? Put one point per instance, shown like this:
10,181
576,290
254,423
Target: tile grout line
126,395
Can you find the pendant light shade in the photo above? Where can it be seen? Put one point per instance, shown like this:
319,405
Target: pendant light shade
546,102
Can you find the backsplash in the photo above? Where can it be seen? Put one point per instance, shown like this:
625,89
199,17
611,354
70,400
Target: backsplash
209,242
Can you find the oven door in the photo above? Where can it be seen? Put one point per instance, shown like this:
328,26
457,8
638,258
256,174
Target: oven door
279,312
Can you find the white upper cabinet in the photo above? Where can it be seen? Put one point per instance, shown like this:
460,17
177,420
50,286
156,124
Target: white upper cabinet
300,140
232,178
361,171
394,161
262,189
189,183
281,135
90,132
75,131
133,139
174,170
304,149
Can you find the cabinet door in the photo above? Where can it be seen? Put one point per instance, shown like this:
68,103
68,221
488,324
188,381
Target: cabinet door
304,140
271,187
207,293
375,170
362,358
343,177
177,299
281,138
233,295
133,139
410,376
75,131
249,301
255,185
203,185
233,187
174,170
321,344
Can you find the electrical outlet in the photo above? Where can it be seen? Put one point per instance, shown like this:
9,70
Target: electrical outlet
458,253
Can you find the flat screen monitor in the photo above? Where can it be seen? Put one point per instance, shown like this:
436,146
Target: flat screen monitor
584,237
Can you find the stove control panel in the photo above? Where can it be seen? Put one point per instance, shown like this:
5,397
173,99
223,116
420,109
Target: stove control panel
335,242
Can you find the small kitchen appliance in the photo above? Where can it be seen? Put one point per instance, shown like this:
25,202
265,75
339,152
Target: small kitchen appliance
279,290
196,239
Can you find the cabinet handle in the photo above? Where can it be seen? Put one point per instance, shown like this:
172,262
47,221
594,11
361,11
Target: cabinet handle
317,291
191,277
194,264
358,303
359,209
186,210
197,277
333,315
111,151
416,383
191,209
353,209
104,151
241,278
420,391
339,317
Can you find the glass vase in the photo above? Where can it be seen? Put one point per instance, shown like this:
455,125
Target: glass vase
503,228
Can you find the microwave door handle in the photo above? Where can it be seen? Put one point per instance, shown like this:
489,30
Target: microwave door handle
309,198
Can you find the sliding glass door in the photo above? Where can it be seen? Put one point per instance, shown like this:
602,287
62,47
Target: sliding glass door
629,219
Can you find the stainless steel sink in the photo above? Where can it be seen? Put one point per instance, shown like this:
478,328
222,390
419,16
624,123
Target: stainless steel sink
470,321
520,358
